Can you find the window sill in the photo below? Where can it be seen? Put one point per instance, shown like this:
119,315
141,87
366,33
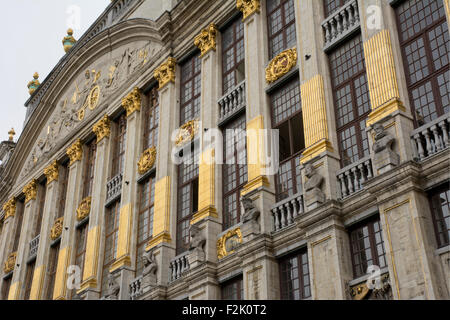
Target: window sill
365,277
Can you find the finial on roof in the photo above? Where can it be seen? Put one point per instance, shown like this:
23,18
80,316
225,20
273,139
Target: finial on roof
68,40
33,84
11,133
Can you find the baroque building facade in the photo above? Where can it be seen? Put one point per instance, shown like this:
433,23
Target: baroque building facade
95,207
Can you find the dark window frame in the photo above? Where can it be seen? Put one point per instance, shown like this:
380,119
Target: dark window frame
88,180
119,148
239,282
285,293
62,192
20,210
185,115
42,192
80,255
337,5
151,110
29,273
283,29
434,197
51,270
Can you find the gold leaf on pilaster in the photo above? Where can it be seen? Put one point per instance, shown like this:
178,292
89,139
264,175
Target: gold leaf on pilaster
281,64
10,208
75,152
102,128
248,7
147,160
166,72
206,40
30,191
51,172
132,102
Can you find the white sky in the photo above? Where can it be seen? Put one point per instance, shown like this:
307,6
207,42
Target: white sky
31,32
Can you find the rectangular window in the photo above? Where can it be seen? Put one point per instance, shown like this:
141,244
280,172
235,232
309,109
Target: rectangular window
287,118
234,170
351,99
51,271
187,200
119,146
151,122
233,54
42,190
281,26
5,288
367,246
80,250
63,182
88,180
440,209
29,279
145,219
294,277
233,289
111,234
424,40
331,6
19,214
190,89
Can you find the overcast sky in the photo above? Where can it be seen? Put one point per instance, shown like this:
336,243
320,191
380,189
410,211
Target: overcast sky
31,32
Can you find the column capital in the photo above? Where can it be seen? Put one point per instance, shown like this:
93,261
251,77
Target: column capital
102,128
51,172
248,7
132,102
10,208
75,152
206,40
166,72
30,190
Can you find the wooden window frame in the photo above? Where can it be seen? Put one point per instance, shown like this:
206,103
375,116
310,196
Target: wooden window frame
88,180
184,116
62,192
437,210
119,148
239,281
20,209
282,30
327,12
51,270
29,273
151,110
80,254
285,294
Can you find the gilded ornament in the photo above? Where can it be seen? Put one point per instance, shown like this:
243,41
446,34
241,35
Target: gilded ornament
227,244
56,230
75,152
281,64
33,84
187,132
84,208
11,134
102,128
10,263
206,40
359,292
68,41
132,102
93,98
147,160
30,191
51,172
166,72
248,7
10,208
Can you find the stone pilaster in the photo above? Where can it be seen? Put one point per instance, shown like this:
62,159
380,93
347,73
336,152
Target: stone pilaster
7,235
48,219
67,245
93,263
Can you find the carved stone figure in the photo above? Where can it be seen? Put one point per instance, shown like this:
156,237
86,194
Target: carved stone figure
250,218
196,246
113,288
384,157
150,268
314,195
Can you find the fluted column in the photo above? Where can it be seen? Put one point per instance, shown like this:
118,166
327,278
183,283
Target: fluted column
73,199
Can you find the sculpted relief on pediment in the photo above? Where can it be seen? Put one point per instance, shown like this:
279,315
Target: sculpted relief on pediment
85,94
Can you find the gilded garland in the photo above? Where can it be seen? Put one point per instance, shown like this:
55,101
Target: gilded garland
187,132
84,208
281,64
57,228
227,244
147,160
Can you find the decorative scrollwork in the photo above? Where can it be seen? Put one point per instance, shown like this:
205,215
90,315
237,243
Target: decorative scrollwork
147,160
10,263
75,152
206,40
248,7
30,191
56,230
166,72
10,208
187,132
132,102
102,128
51,172
281,64
227,244
84,208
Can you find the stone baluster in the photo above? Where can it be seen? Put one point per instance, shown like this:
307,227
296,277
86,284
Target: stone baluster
344,190
355,177
444,133
283,219
437,139
289,213
349,183
294,206
429,146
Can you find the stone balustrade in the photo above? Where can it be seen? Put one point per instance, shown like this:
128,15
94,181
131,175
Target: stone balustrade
431,138
178,266
232,102
114,188
341,24
285,211
136,288
34,246
352,177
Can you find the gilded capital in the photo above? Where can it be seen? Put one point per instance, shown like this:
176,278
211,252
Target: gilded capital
206,40
147,160
30,190
132,102
10,208
51,172
281,64
248,7
166,72
102,128
75,152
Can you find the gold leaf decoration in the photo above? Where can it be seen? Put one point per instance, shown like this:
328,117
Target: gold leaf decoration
51,172
206,40
147,160
166,72
75,152
10,263
248,7
84,208
102,128
187,132
132,102
57,228
227,244
30,191
281,64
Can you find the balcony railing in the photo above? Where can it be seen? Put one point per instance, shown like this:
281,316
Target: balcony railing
285,211
178,266
232,102
34,246
341,24
353,177
136,288
431,138
114,188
